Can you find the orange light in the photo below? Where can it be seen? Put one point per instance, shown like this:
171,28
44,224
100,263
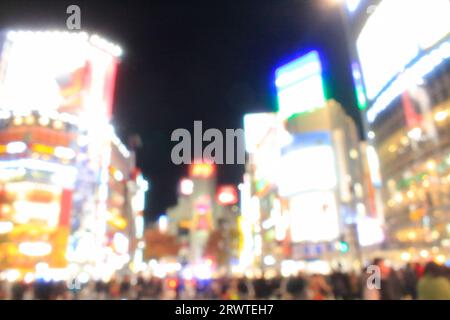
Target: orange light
203,170
172,284
42,148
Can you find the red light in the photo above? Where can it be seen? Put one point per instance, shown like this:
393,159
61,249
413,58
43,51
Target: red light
227,195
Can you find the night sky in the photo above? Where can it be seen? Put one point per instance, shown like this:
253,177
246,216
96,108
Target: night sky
197,60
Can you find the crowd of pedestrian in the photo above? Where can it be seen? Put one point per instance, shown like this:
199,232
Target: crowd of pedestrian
376,282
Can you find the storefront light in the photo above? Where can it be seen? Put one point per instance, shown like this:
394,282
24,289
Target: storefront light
405,256
44,121
18,121
16,147
64,153
440,259
424,254
35,249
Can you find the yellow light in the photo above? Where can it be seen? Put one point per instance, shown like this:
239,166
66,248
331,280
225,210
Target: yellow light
412,235
404,140
410,194
29,119
57,124
440,259
431,165
405,256
392,148
353,154
18,121
44,121
42,148
424,254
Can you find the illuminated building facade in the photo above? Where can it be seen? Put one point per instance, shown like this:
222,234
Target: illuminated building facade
304,193
64,171
402,77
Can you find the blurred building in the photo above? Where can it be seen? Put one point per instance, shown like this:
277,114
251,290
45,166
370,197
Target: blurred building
306,189
401,71
68,183
194,217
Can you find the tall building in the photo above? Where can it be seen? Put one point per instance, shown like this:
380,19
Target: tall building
401,72
65,206
305,194
194,217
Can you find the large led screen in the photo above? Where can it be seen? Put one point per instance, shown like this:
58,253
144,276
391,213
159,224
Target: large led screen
395,34
57,71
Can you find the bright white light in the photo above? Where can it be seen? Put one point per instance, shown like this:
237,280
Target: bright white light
163,222
35,249
267,224
352,5
118,175
16,147
424,254
370,231
83,277
187,274
415,133
308,168
121,243
226,197
256,127
29,277
6,227
405,256
412,75
314,217
44,121
202,271
12,275
299,85
64,153
288,268
186,187
269,260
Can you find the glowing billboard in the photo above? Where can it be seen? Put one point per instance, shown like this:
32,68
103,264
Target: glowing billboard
307,164
314,217
300,85
395,34
256,127
57,71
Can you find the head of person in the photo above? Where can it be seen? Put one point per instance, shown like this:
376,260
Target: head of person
432,269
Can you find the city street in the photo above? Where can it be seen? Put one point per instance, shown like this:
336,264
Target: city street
225,150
